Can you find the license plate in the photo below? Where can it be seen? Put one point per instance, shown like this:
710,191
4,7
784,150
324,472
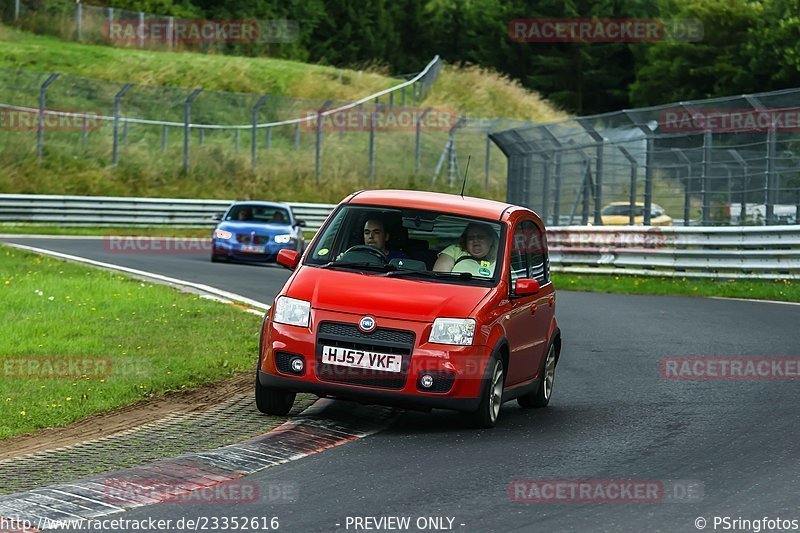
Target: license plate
252,248
332,355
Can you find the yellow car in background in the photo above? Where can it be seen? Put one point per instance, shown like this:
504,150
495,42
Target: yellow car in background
618,214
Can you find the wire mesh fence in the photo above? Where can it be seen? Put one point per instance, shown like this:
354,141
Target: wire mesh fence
711,162
138,29
383,139
390,131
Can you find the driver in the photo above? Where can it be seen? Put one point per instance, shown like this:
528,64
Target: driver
479,243
375,235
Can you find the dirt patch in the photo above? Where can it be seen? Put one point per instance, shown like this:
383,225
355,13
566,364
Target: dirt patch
112,422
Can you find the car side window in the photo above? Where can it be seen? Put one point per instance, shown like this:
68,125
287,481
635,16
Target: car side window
539,268
519,259
529,254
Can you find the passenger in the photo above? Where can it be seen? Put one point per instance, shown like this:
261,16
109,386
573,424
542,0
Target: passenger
478,242
375,235
245,213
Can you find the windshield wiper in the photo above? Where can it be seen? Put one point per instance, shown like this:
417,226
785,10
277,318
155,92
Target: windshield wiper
361,265
429,274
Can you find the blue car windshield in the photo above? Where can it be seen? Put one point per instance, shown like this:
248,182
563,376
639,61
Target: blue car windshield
263,214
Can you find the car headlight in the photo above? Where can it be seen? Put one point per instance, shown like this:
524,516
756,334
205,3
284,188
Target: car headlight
291,311
283,239
458,331
222,234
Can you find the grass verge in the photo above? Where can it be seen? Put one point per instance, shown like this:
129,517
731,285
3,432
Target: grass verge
77,341
780,290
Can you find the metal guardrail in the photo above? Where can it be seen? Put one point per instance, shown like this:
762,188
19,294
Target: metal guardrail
709,252
714,252
75,211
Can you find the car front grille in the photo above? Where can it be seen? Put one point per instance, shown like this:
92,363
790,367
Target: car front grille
244,238
382,340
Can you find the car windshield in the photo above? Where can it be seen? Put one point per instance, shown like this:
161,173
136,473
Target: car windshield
266,214
623,210
426,245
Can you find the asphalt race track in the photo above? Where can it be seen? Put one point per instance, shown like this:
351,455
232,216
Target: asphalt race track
612,417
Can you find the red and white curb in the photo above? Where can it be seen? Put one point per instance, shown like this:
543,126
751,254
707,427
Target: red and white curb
324,425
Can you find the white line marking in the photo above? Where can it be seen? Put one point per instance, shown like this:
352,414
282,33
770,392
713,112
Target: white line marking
224,296
752,300
37,236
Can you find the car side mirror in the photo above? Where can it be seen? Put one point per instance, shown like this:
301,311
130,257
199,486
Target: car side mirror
526,287
289,258
216,216
301,223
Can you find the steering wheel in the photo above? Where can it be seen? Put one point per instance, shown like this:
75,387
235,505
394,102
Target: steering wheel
465,258
369,250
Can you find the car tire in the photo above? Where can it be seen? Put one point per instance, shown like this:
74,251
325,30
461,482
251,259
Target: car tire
542,396
488,411
271,401
216,258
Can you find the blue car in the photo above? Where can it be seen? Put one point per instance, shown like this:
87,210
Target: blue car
256,231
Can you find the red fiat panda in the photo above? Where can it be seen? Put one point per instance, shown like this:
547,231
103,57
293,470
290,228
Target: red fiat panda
415,299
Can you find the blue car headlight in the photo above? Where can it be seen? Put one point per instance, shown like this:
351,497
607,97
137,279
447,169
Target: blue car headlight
222,234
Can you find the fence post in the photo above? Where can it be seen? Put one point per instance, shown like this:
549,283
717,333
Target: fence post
84,130
687,189
632,192
372,120
797,207
42,102
236,140
489,131
403,97
296,135
417,154
110,22
16,10
186,117
318,155
770,176
201,134
171,33
557,156
598,183
545,184
164,139
704,191
255,130
78,12
140,29
117,98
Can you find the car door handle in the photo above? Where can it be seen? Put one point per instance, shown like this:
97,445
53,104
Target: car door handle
551,300
533,308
